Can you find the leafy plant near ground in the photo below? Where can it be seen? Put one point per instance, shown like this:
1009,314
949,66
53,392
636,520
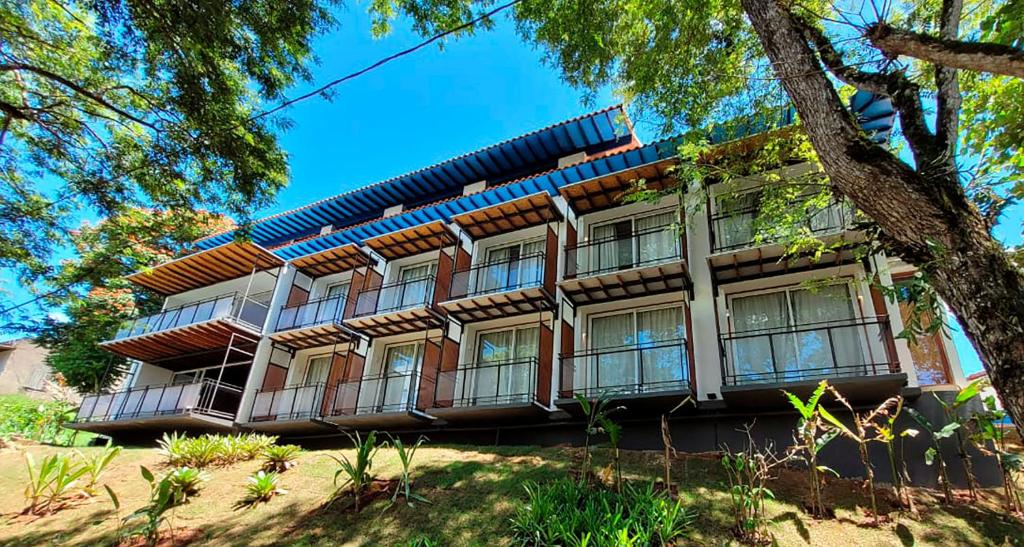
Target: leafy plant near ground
97,464
934,452
260,488
989,437
811,436
172,490
279,458
597,413
749,472
955,416
405,455
50,482
356,473
207,450
887,435
33,420
565,512
186,482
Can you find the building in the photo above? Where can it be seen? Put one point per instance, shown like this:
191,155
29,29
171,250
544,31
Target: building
477,297
23,371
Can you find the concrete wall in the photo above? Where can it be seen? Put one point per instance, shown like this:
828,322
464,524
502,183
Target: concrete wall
23,371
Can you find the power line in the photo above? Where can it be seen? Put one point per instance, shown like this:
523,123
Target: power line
289,102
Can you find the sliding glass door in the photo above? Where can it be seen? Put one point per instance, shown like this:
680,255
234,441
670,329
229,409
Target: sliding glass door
632,242
504,364
398,373
637,351
513,266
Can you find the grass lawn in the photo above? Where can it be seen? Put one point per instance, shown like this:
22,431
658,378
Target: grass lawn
473,492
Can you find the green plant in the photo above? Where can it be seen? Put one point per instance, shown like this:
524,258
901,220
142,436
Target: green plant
41,422
887,435
260,488
51,481
164,495
405,455
565,512
173,447
989,431
280,458
748,473
954,415
97,464
934,452
207,450
597,413
811,436
357,474
186,482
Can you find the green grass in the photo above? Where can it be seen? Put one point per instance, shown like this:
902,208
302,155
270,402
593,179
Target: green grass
473,493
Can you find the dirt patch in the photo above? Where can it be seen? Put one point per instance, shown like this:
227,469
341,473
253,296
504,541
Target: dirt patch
176,537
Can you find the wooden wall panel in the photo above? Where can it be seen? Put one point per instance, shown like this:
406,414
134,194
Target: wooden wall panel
443,280
444,392
297,296
428,375
274,378
355,285
550,260
546,355
567,349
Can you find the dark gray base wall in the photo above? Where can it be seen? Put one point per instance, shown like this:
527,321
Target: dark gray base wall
707,431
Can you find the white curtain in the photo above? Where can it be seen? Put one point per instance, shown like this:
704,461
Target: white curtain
662,366
496,272
531,267
737,229
614,247
656,241
828,306
415,289
756,351
400,364
317,370
613,369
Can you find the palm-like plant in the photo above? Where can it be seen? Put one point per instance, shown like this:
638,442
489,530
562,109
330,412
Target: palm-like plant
50,481
954,415
356,473
597,413
988,431
279,458
934,452
260,488
811,436
405,455
96,465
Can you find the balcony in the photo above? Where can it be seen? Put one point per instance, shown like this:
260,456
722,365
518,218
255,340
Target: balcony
856,355
291,409
190,329
647,376
740,251
205,405
641,263
396,308
490,391
312,324
381,400
502,289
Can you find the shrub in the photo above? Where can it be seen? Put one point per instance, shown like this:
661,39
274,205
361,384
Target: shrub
357,474
565,512
207,450
280,458
260,488
186,482
748,472
41,422
50,482
164,495
96,465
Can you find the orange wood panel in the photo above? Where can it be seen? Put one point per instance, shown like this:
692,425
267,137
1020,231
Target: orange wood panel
568,344
547,347
274,378
428,377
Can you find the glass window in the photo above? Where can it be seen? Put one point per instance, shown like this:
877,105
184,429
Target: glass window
504,366
317,369
927,351
635,351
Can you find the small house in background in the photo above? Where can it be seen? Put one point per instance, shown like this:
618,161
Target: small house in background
23,371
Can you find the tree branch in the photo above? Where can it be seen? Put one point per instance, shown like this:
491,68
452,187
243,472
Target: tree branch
952,53
947,83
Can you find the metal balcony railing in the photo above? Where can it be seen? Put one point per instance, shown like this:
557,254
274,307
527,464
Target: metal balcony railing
403,295
498,276
487,384
622,252
321,311
298,402
737,229
812,351
376,394
206,397
251,310
645,368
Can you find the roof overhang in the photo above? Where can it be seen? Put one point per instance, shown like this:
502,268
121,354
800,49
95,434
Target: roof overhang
205,268
332,261
606,191
517,214
412,241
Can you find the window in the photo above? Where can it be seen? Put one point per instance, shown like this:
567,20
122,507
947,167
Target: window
927,351
637,351
796,333
333,305
317,369
735,221
503,371
512,266
632,242
416,286
398,372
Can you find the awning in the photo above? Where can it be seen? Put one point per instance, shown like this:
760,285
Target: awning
412,241
606,191
332,261
526,212
223,263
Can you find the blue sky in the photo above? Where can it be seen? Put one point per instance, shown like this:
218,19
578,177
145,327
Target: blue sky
427,107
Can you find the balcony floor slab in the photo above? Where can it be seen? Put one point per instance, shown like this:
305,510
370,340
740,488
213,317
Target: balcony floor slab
381,420
857,389
659,278
491,414
166,345
295,426
639,404
187,421
499,304
396,322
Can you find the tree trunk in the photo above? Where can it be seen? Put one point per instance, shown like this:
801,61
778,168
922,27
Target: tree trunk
975,56
926,219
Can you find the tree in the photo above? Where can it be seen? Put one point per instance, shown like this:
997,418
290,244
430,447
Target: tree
114,104
691,64
99,300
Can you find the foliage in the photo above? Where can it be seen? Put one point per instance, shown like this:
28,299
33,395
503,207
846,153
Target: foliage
172,490
260,488
208,450
405,456
50,482
749,472
598,422
989,437
280,457
887,435
934,452
955,415
356,473
38,421
97,464
120,105
564,512
810,437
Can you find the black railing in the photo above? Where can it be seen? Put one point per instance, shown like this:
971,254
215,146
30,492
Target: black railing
622,252
376,394
644,368
321,311
206,397
298,402
498,276
486,384
738,229
251,309
812,351
403,295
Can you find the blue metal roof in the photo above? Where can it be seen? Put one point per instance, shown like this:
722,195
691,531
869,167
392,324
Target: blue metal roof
500,162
